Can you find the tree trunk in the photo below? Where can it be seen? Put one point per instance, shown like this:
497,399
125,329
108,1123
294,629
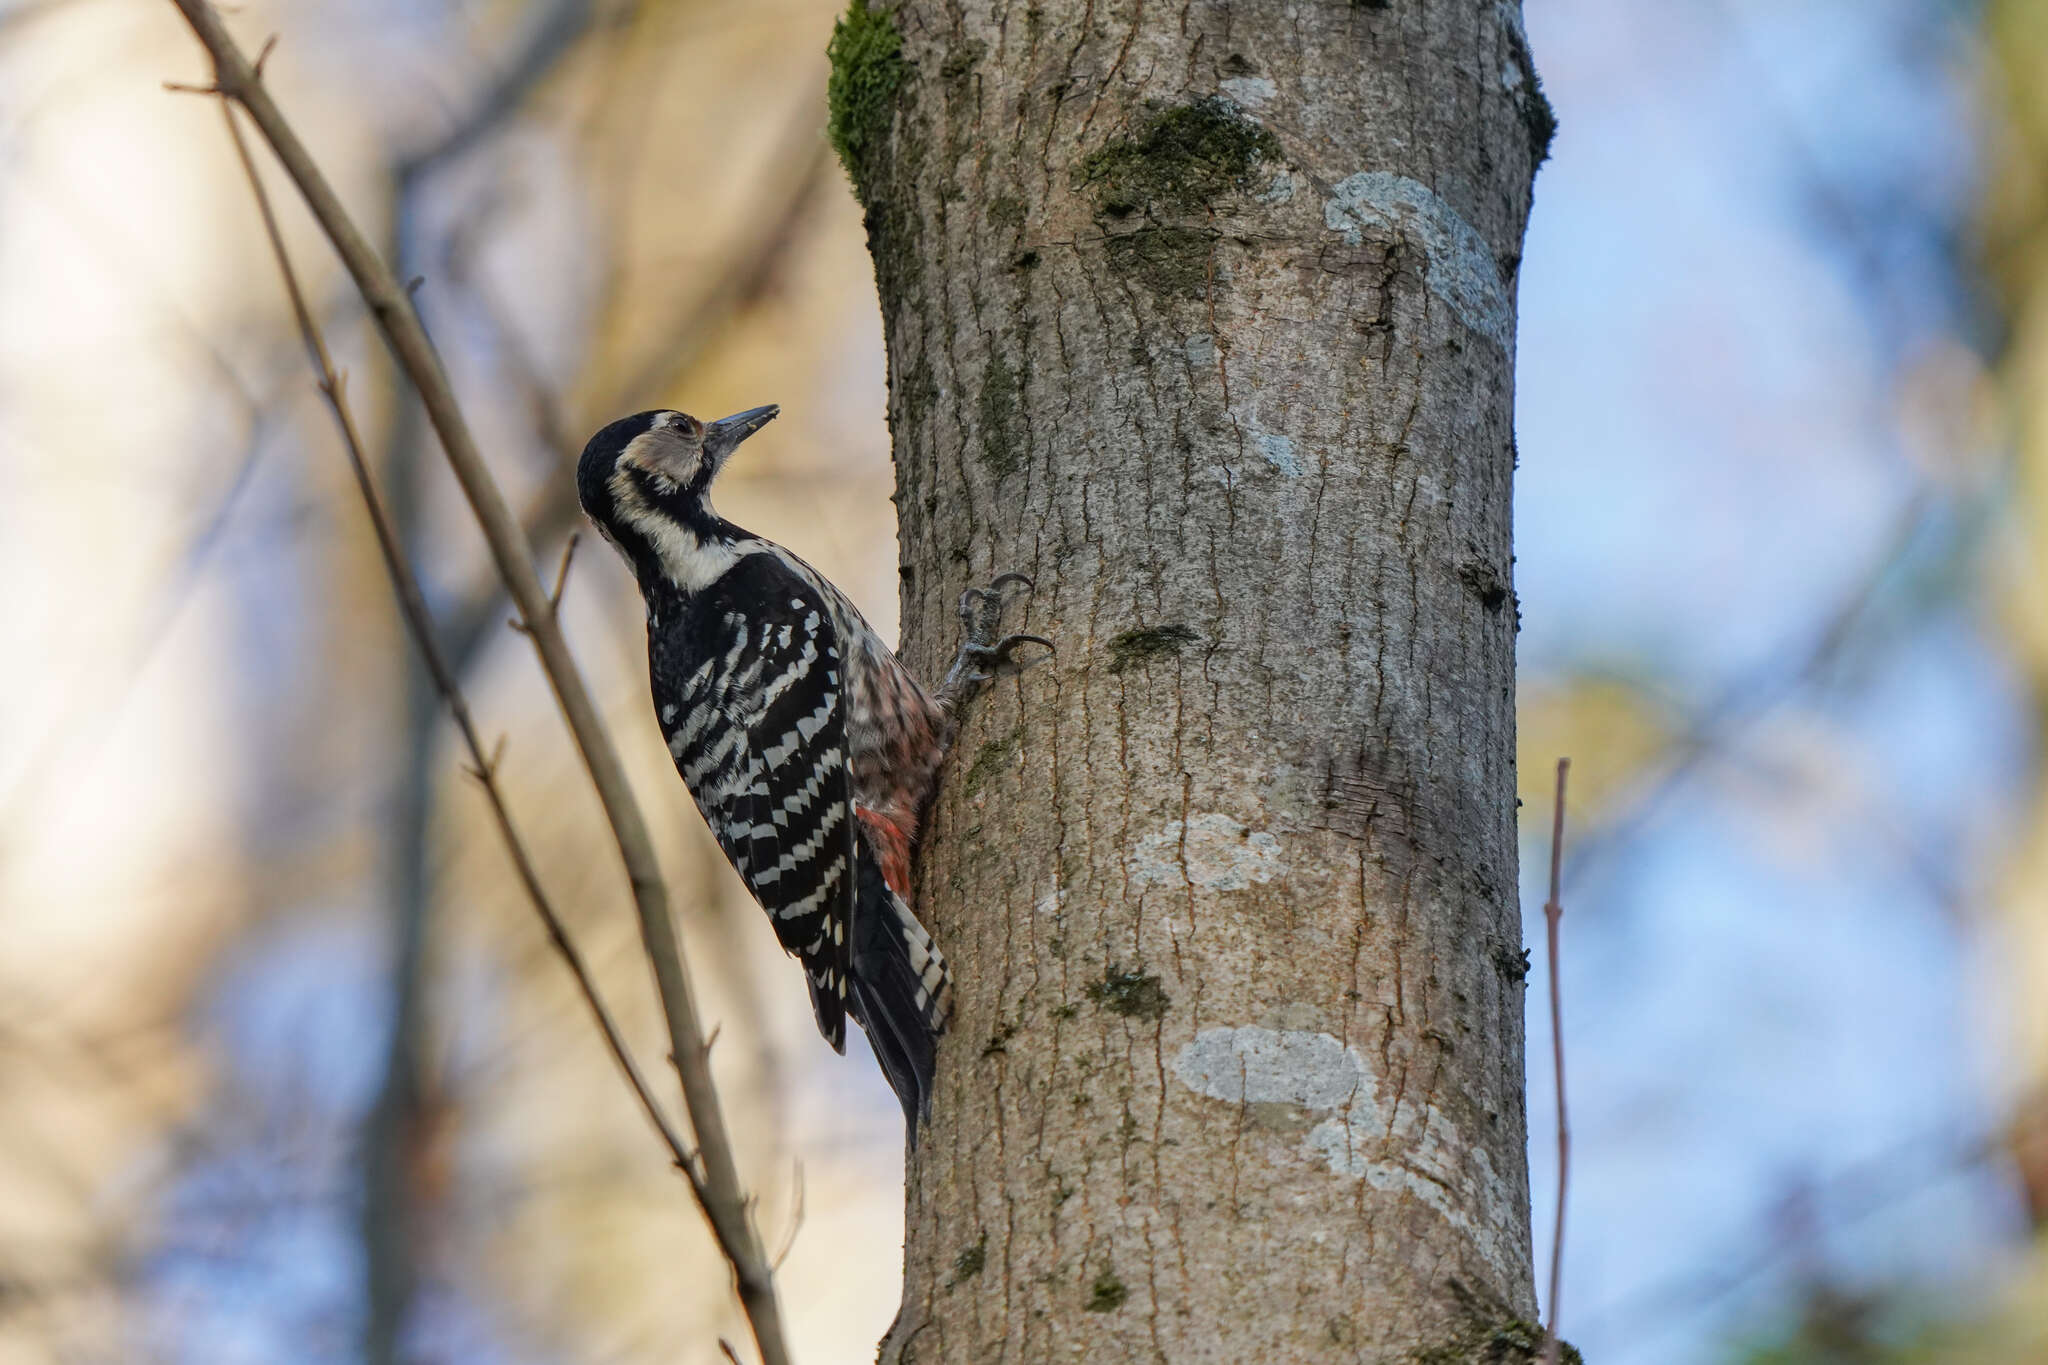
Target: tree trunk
1203,316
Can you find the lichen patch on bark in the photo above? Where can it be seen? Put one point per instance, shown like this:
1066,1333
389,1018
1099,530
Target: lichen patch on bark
1254,1065
1250,91
1413,1149
1211,851
1278,451
1461,266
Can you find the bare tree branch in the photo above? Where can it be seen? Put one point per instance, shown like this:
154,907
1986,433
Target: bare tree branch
419,621
391,1244
723,1201
1553,912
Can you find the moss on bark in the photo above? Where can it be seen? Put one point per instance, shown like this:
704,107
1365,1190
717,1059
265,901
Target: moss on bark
868,72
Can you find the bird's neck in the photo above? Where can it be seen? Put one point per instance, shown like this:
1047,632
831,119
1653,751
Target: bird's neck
688,555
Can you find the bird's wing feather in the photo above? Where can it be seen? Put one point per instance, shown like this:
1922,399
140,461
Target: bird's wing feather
757,725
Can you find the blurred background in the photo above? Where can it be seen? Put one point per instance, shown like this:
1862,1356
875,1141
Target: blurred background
287,1070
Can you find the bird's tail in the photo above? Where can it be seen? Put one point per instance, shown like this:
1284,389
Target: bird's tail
902,992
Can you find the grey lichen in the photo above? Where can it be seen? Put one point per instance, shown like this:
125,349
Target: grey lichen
1183,158
1107,1294
868,72
1137,646
1135,995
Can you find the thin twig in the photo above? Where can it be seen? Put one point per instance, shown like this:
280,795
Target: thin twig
562,571
1553,911
796,1217
412,603
718,1186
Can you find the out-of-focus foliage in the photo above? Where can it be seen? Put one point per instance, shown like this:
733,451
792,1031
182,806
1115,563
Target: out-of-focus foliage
1896,1323
2015,253
288,1073
1763,504
235,845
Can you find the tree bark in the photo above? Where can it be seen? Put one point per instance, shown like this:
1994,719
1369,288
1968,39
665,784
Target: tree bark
1203,316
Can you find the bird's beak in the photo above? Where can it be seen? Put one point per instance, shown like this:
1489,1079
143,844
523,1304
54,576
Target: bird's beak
723,437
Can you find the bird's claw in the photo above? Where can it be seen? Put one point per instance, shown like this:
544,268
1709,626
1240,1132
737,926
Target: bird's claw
999,660
981,609
983,657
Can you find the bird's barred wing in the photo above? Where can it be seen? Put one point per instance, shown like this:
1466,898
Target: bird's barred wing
758,732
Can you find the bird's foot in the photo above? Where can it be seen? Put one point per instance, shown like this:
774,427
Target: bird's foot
985,656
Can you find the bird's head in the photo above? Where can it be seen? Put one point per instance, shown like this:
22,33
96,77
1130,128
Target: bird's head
645,480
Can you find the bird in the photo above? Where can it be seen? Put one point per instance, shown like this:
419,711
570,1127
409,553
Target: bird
810,749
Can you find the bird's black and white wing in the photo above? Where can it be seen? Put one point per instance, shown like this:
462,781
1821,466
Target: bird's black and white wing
749,698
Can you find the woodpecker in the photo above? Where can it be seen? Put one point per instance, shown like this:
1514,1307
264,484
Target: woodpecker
810,749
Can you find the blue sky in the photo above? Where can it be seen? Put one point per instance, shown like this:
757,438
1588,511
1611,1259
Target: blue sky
1737,253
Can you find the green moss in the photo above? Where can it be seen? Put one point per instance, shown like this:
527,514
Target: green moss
1509,1342
963,59
1182,158
868,72
1137,646
1483,583
1006,210
1107,1294
1134,995
1539,118
989,760
1167,260
999,1041
970,1262
999,393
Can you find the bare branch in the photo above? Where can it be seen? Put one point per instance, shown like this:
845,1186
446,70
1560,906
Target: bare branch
717,1185
562,571
412,602
1553,911
796,1216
